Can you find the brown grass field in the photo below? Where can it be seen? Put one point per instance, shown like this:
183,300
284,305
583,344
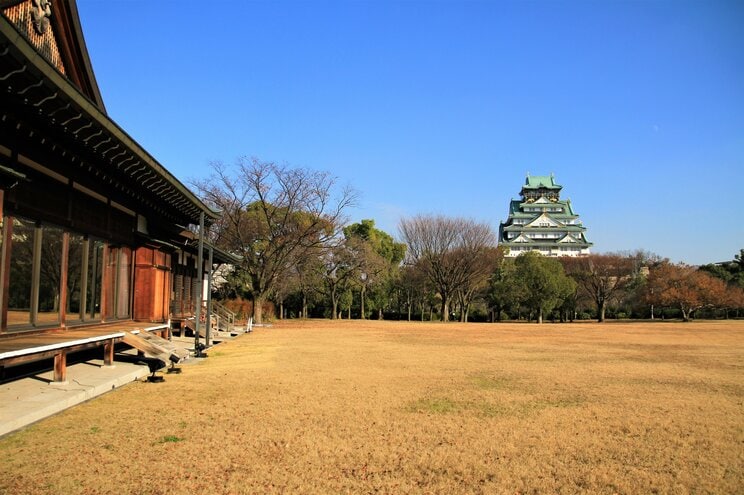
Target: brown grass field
384,407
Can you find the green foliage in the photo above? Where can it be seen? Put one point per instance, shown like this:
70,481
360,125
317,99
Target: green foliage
541,283
377,261
719,271
504,293
381,242
731,272
345,299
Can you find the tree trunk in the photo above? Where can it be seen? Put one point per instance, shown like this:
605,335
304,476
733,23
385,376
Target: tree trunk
281,310
409,306
685,314
380,316
334,304
445,309
601,311
362,292
258,308
304,305
539,315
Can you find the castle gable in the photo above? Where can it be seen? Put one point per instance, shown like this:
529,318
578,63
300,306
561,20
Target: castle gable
33,19
568,238
544,220
53,29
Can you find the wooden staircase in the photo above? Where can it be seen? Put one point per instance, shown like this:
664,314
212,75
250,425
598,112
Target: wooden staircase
156,347
223,320
190,324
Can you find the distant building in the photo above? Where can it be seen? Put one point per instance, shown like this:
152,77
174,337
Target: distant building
542,222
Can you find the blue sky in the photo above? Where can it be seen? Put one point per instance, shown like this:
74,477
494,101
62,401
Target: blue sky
443,107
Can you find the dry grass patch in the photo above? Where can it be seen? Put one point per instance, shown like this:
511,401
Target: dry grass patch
383,407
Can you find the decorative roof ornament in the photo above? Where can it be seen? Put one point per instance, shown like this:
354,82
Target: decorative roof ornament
41,11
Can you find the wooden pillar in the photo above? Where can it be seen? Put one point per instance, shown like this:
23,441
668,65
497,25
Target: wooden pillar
60,367
5,270
108,353
104,282
35,273
84,280
63,280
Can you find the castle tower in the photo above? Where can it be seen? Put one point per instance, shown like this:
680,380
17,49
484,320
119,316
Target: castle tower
542,222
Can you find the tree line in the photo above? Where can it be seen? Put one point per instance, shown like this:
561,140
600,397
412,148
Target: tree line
301,258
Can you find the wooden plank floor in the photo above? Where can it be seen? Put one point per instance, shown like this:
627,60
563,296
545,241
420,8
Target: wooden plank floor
71,336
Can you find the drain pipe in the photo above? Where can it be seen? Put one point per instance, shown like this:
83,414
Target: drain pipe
209,297
199,287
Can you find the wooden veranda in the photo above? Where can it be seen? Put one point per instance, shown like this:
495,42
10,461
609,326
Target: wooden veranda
25,348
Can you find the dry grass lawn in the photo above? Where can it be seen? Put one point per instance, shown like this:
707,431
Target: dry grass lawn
383,407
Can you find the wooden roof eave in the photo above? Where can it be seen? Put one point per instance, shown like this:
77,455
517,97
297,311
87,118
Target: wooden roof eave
189,244
219,255
89,111
65,19
547,230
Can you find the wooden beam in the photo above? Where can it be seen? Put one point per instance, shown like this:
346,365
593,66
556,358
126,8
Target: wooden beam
38,356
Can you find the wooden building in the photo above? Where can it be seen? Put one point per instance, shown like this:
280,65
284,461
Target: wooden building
96,234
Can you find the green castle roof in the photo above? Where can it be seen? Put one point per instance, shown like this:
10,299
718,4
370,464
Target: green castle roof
516,205
541,182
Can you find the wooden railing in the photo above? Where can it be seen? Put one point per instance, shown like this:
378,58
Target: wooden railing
223,320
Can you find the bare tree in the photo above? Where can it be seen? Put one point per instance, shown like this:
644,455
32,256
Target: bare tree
449,250
272,215
480,269
601,276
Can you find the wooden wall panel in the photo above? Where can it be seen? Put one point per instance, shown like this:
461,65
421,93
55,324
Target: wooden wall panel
151,288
